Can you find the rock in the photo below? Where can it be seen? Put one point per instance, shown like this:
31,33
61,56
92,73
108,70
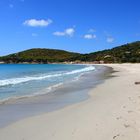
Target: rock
137,83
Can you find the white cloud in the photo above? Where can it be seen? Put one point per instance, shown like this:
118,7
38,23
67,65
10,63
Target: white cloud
110,39
11,5
89,36
68,32
37,23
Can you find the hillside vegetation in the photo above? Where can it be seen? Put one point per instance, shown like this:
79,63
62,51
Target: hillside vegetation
122,54
40,56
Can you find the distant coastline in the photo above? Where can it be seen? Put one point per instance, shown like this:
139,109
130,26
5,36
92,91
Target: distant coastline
73,62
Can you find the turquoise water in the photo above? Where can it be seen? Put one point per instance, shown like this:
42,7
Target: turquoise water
20,80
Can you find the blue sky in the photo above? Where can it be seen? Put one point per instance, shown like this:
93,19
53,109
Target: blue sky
74,25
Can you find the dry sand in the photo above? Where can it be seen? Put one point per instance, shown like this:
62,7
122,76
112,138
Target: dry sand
112,112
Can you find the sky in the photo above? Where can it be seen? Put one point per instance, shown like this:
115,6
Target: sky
74,25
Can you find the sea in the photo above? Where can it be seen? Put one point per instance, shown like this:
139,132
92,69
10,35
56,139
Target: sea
22,80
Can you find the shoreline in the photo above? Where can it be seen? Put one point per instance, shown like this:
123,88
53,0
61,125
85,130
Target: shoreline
65,95
53,87
111,112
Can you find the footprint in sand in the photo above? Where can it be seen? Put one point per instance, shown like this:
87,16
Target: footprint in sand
74,131
114,137
130,98
126,125
124,106
130,111
118,118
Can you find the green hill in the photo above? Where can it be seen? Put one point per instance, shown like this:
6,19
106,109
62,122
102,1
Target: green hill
40,56
122,54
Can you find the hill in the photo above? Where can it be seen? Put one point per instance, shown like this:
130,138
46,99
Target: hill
40,56
121,54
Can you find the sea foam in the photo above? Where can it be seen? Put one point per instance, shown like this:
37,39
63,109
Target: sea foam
14,81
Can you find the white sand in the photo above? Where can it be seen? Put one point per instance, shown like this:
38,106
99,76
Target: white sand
112,112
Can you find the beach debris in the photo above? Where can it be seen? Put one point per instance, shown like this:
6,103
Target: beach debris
137,83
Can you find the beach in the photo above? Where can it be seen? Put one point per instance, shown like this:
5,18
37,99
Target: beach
111,112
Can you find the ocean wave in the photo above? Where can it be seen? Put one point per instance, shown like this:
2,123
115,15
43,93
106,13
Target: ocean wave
43,92
14,81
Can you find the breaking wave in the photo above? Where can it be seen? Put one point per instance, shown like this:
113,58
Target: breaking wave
14,81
